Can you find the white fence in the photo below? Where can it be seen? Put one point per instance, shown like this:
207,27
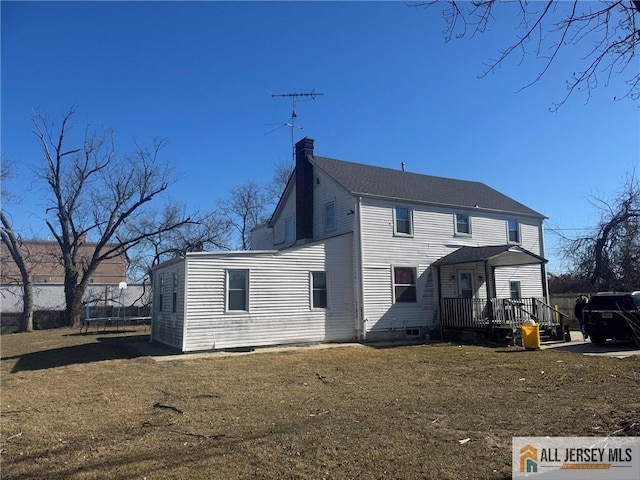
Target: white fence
51,297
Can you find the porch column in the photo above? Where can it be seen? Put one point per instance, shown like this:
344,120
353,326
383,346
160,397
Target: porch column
439,309
488,281
543,273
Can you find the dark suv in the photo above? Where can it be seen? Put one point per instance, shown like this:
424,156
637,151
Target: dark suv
613,315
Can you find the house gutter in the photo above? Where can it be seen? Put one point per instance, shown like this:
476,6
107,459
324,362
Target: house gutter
359,274
530,214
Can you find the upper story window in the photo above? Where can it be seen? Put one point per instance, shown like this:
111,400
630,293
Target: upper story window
329,216
237,289
288,230
319,290
463,224
403,221
513,228
404,284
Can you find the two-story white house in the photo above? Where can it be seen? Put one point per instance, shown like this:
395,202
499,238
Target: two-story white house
355,252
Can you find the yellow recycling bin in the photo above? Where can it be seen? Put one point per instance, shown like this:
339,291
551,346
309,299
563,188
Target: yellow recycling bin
531,336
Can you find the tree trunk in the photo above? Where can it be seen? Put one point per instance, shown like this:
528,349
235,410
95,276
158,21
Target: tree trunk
72,302
74,292
26,323
75,313
13,244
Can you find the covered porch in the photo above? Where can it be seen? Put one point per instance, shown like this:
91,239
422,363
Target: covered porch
469,299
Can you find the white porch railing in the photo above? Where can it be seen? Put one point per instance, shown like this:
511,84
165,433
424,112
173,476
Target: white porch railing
496,312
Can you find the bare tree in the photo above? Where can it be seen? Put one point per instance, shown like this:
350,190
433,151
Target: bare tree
96,195
207,231
606,29
608,258
281,174
17,251
245,209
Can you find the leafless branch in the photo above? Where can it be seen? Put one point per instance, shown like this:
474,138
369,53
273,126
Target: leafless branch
609,30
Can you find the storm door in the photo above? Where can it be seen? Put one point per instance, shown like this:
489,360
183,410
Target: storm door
465,291
465,284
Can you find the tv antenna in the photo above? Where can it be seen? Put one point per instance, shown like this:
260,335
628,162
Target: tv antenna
292,121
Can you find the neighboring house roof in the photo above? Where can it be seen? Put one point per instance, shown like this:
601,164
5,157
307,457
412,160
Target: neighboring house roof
498,255
367,180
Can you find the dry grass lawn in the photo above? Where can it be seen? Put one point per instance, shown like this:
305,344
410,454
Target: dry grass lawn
92,407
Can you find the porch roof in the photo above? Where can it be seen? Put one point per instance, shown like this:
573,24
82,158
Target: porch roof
496,256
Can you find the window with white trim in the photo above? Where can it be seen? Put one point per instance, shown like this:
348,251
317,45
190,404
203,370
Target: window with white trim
513,229
514,290
463,224
330,216
404,285
319,290
288,230
403,221
237,290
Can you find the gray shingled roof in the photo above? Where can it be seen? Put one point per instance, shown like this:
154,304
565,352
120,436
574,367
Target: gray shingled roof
479,254
367,180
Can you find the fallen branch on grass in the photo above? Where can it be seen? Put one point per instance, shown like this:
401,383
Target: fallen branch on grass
218,436
167,407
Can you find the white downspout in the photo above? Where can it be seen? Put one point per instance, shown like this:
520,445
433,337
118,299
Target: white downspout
543,266
185,303
362,334
153,304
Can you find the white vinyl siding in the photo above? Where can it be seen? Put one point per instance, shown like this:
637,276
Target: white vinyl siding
326,191
433,238
450,284
529,277
167,324
381,251
279,305
287,210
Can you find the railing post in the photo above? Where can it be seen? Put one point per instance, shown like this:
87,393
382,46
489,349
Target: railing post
490,311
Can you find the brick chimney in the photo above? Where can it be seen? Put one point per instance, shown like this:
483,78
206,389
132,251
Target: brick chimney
304,190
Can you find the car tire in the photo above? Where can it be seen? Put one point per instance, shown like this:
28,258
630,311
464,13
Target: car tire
598,339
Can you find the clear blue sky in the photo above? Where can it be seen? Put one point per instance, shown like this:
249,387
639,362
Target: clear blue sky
202,74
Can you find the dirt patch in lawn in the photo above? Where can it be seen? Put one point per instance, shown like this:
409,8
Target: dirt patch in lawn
91,407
